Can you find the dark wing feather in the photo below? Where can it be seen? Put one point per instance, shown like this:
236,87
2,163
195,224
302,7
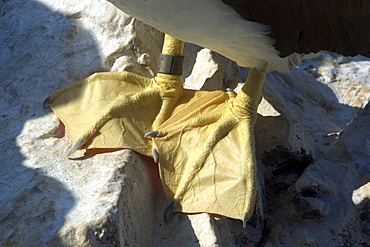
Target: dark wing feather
307,26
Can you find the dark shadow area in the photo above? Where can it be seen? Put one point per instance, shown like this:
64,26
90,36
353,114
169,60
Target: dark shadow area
314,176
29,198
281,165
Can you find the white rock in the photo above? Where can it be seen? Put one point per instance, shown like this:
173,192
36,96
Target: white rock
211,71
361,194
115,198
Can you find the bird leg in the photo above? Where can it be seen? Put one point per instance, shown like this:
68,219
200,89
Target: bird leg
206,151
203,141
169,77
116,109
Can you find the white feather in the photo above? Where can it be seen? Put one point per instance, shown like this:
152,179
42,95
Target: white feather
214,25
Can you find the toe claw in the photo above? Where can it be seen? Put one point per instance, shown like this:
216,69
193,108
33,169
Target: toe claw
155,155
245,219
46,102
168,210
80,142
152,134
230,92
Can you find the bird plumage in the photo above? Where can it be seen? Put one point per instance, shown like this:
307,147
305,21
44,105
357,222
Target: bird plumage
214,25
263,33
303,27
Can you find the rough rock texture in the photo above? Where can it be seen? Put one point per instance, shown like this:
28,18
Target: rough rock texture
313,141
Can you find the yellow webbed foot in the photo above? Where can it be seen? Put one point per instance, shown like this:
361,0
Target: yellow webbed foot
115,109
108,110
206,151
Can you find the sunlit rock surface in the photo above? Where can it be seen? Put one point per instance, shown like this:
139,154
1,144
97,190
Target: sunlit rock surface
312,138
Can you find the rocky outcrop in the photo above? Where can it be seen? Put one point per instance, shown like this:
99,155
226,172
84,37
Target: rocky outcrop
312,140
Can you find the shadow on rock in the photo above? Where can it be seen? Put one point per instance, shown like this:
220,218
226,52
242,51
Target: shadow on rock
33,204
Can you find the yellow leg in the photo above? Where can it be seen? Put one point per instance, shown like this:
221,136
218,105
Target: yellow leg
170,85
